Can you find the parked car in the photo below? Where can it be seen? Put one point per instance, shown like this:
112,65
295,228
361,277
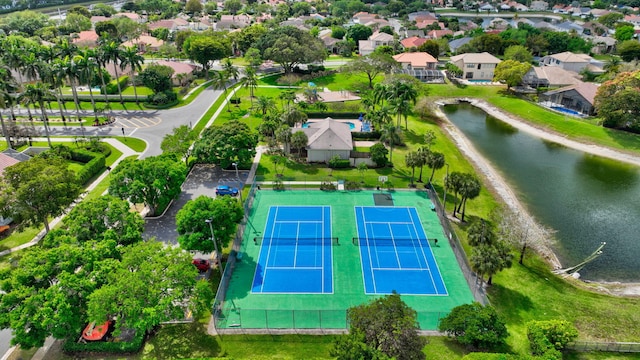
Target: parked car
201,264
226,190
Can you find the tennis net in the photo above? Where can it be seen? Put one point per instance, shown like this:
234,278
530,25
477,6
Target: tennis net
296,240
397,241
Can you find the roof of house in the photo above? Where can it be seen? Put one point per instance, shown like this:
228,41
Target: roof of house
415,58
366,45
413,41
476,58
6,161
130,15
438,34
329,135
570,57
586,90
557,76
144,39
381,36
177,66
86,36
456,43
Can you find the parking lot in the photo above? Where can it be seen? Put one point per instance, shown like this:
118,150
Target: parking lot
202,180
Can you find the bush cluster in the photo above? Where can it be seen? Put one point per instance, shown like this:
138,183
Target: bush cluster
352,185
112,87
371,135
548,338
93,164
328,185
337,163
162,98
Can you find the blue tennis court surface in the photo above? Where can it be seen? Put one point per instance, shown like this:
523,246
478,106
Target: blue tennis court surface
295,252
395,252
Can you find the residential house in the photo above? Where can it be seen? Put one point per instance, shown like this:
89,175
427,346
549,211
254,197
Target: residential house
87,38
172,25
455,44
467,25
423,24
594,28
412,42
145,43
569,26
602,44
414,16
366,47
229,22
487,7
633,19
326,139
97,19
539,6
8,158
550,76
600,12
371,20
420,65
182,72
476,66
508,5
572,62
133,16
439,34
579,97
329,42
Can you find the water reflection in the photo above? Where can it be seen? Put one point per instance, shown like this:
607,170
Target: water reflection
587,199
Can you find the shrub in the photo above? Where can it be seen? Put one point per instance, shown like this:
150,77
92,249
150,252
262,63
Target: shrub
548,338
91,169
328,185
337,163
371,135
162,98
352,185
112,86
278,185
492,356
81,155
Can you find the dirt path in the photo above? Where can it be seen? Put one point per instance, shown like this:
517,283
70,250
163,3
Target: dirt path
502,189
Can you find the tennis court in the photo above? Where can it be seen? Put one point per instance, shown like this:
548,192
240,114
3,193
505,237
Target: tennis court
295,275
395,253
295,251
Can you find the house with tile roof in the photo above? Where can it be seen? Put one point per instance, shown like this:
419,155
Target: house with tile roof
86,39
420,65
439,34
144,43
182,72
366,47
326,139
572,62
476,66
579,97
412,42
550,76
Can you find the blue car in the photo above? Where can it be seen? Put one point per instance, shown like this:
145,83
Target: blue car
226,190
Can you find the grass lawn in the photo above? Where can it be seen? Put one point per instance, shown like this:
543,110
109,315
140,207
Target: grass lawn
137,145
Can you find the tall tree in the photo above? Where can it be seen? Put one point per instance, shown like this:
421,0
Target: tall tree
522,232
293,116
470,189
179,142
36,94
489,259
112,53
387,325
289,46
7,87
220,81
475,325
412,160
618,102
390,135
203,49
372,65
131,58
250,81
87,67
511,72
194,233
33,191
299,141
435,161
154,181
223,145
104,218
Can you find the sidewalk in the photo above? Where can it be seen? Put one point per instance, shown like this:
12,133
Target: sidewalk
126,152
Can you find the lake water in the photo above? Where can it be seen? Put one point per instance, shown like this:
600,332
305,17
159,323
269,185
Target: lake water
585,198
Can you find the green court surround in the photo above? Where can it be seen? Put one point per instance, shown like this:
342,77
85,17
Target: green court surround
245,310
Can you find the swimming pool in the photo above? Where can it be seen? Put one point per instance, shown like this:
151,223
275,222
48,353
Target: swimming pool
351,125
566,111
479,81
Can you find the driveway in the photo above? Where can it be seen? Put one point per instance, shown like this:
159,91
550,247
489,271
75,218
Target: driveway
202,180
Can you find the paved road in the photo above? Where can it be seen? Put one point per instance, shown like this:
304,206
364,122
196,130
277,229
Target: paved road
202,180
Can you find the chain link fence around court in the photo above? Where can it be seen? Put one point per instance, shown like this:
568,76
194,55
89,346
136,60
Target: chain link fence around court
476,284
621,347
231,317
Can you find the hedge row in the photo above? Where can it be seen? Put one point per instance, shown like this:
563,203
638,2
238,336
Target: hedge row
493,356
93,164
369,135
133,346
112,86
333,115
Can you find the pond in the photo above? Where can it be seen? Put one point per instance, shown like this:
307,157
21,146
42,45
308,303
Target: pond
587,199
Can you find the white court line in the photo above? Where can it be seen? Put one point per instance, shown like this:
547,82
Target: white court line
434,261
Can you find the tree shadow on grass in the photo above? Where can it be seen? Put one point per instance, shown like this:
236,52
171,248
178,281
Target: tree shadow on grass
513,303
181,341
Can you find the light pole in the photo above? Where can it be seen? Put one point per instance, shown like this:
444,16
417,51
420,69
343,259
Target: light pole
235,165
215,245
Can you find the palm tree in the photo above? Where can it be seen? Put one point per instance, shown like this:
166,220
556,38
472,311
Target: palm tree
87,67
250,81
490,259
7,86
470,190
391,136
299,141
102,60
57,75
283,135
454,182
412,160
220,80
423,154
264,104
130,57
435,161
36,94
294,116
230,69
72,71
403,94
112,53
